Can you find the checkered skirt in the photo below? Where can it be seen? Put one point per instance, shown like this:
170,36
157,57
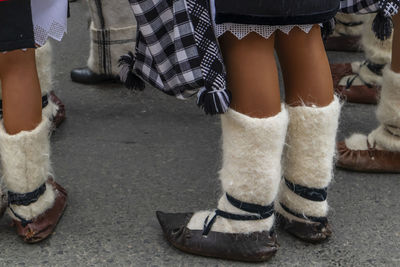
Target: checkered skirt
177,52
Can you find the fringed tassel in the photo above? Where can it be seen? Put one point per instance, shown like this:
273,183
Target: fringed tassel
382,26
214,102
328,28
127,75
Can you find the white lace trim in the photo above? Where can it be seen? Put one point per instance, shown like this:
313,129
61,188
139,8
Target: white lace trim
242,30
49,19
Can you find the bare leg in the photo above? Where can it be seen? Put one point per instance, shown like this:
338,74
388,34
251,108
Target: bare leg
22,108
396,44
252,74
305,67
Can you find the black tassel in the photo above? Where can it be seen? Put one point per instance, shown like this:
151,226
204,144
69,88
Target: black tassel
382,26
127,75
214,102
328,28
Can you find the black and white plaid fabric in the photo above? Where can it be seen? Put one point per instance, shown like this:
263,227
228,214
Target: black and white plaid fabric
382,25
359,6
177,52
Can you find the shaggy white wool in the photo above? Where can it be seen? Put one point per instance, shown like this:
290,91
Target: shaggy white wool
113,51
341,29
301,205
25,157
355,66
308,156
311,146
357,142
251,170
377,51
383,140
44,58
44,203
388,114
388,111
50,110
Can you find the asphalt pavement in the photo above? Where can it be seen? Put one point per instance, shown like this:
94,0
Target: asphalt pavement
123,155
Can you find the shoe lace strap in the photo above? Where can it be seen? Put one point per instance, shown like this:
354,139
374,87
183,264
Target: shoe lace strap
260,212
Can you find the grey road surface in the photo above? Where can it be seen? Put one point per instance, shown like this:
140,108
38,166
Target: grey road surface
123,155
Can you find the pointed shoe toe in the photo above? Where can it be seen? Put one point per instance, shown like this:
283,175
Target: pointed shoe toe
252,247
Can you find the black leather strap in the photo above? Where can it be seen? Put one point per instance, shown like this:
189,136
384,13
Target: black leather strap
375,68
27,198
260,212
322,220
349,24
313,194
23,221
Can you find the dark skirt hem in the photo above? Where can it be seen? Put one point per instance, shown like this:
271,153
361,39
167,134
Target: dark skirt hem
15,45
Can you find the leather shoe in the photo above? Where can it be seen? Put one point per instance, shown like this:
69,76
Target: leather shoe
252,247
370,160
87,76
312,232
43,226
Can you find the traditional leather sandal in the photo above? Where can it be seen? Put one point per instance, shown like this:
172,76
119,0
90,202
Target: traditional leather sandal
315,230
364,94
43,226
370,160
252,247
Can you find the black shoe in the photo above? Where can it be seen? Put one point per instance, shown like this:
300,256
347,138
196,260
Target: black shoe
86,76
250,247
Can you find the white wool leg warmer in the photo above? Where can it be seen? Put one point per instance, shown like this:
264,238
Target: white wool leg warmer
44,61
387,135
25,159
377,51
308,157
251,170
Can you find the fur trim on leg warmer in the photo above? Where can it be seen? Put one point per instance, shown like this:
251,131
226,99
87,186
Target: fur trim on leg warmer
251,171
308,157
26,165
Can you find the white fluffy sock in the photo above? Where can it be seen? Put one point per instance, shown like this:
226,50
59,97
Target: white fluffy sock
308,157
25,159
251,170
